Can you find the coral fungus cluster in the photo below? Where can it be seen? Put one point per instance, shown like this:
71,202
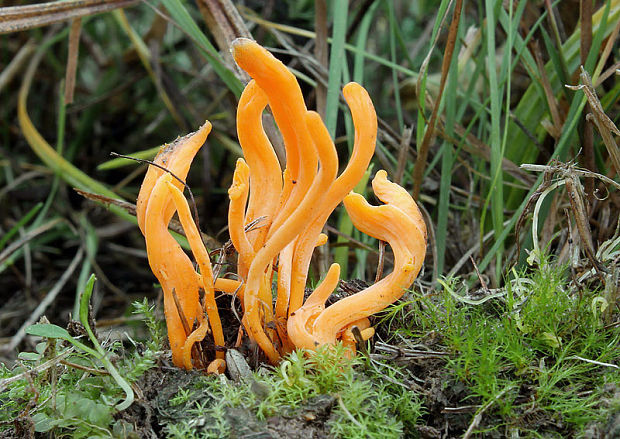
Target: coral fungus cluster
291,208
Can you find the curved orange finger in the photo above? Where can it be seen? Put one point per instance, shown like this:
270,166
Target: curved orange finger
388,223
293,225
168,261
204,262
229,286
365,123
265,171
238,194
177,160
287,105
173,269
217,366
300,322
195,337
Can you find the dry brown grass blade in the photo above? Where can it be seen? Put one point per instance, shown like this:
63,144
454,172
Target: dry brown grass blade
429,134
72,58
225,24
177,304
47,301
605,125
19,18
597,78
585,20
403,151
35,371
575,196
381,261
549,94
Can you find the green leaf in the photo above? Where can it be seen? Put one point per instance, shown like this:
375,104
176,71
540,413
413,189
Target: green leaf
85,300
28,356
336,61
42,423
187,25
48,330
54,331
147,154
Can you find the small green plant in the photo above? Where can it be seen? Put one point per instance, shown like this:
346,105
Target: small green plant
62,388
356,402
534,348
154,324
56,332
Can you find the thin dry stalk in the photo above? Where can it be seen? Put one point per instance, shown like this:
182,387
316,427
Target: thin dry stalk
604,124
225,24
72,59
402,154
585,19
177,304
27,237
478,417
35,370
381,261
429,134
575,196
549,94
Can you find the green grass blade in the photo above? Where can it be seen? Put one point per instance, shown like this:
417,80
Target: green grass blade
448,157
566,138
496,192
102,354
336,59
147,154
393,26
186,23
360,44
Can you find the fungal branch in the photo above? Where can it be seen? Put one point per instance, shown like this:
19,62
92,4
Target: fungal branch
292,206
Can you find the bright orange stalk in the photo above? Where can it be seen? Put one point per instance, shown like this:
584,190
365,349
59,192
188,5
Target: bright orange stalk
293,207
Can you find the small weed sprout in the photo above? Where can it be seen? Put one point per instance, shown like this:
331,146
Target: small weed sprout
154,324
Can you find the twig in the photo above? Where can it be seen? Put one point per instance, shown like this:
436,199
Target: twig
179,308
598,363
16,64
84,368
349,415
402,154
420,163
130,208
